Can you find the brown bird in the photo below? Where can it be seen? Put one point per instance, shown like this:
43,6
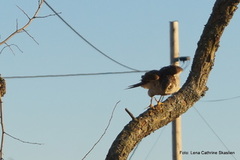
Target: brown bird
160,82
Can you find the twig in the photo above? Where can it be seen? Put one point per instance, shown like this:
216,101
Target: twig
130,114
35,143
48,15
23,12
16,24
31,36
9,46
109,122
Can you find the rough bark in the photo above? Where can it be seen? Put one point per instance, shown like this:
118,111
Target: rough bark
193,89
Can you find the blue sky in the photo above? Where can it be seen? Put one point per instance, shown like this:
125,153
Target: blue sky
69,114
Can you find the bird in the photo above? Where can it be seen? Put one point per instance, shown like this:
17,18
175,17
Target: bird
160,82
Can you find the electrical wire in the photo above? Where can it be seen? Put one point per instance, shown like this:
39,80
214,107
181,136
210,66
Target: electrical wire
154,145
89,43
75,74
102,73
135,149
209,126
219,100
71,75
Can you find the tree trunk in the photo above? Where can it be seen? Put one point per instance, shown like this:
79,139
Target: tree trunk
193,89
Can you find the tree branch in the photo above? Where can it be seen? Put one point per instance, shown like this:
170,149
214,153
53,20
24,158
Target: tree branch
2,93
18,139
193,89
2,128
26,25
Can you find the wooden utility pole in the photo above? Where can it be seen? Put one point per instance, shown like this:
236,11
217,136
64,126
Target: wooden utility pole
176,124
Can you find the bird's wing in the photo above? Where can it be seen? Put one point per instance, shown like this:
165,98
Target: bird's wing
146,78
170,70
150,76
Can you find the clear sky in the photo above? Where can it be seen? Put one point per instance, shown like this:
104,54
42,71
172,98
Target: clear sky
69,114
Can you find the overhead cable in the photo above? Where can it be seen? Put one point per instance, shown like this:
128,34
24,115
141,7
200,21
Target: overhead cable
219,100
70,75
155,143
209,126
89,43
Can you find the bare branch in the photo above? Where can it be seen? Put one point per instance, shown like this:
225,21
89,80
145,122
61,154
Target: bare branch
26,25
130,114
31,36
48,15
16,24
34,143
109,122
2,93
17,47
24,12
9,46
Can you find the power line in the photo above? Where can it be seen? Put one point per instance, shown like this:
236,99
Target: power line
89,43
98,74
71,75
213,131
74,74
154,145
135,149
218,100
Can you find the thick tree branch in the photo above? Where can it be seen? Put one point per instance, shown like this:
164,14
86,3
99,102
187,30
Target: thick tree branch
193,89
